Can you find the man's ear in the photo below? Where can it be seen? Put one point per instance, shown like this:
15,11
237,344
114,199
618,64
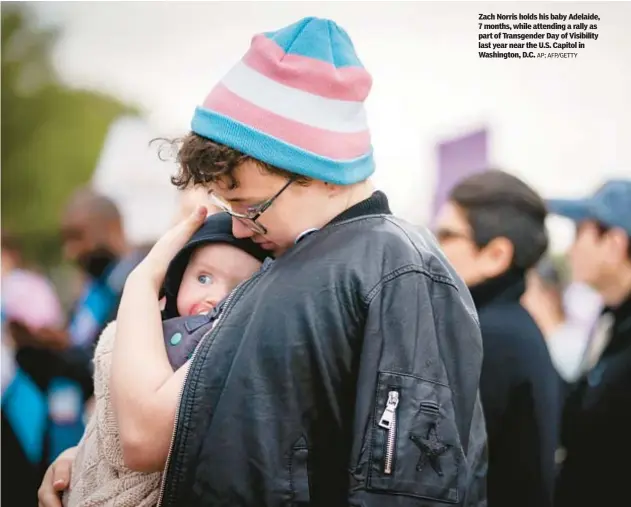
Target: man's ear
497,257
332,189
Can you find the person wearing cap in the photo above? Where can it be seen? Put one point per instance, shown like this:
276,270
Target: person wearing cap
492,229
596,424
346,373
549,300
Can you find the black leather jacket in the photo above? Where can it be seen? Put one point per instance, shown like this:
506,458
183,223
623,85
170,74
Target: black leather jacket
344,373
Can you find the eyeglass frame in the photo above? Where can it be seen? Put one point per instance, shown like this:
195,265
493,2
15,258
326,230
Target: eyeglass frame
444,234
250,218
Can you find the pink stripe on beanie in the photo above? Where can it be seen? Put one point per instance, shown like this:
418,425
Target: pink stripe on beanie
296,101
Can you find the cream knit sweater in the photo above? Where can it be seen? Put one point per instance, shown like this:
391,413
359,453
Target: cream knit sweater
99,476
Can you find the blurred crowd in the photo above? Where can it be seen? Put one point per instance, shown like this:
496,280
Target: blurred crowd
556,334
47,383
555,330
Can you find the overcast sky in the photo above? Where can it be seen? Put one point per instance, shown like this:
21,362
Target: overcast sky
561,125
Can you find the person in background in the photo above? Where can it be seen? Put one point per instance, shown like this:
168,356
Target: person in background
544,296
566,338
492,230
94,240
60,359
28,297
29,304
23,429
596,423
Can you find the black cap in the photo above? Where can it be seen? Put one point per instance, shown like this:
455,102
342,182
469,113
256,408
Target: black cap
216,229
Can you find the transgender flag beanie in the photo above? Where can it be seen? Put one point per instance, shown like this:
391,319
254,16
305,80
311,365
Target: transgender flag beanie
296,101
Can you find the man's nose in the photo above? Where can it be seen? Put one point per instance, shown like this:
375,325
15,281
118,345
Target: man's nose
240,230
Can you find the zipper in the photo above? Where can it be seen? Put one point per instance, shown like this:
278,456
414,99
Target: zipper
224,308
388,421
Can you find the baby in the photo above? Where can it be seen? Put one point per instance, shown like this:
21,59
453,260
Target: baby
202,274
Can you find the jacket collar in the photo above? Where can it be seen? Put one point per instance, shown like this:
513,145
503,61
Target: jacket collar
507,287
376,204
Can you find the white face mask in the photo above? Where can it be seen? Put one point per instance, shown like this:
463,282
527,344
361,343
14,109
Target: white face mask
304,234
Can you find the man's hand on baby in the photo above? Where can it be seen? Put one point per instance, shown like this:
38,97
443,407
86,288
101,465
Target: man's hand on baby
56,479
154,266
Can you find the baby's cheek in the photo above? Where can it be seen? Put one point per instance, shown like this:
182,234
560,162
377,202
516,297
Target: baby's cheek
222,289
185,298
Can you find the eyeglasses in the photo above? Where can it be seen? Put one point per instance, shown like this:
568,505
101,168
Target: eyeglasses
252,213
443,235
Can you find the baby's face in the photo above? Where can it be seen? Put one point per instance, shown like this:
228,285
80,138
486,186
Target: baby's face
212,272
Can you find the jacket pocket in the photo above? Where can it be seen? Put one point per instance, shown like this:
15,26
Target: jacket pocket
415,449
299,472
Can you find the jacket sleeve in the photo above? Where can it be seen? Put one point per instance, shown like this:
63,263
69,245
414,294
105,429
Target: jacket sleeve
419,429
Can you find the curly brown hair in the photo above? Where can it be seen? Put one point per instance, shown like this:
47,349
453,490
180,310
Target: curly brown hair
201,160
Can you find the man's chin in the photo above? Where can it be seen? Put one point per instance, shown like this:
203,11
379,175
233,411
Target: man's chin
267,245
275,249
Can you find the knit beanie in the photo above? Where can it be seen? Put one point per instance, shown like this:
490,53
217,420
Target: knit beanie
216,229
296,101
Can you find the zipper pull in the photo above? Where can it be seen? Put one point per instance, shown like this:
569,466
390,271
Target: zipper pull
389,412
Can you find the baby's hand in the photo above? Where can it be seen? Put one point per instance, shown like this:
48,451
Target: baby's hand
154,266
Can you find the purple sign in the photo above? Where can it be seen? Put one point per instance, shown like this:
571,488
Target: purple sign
457,159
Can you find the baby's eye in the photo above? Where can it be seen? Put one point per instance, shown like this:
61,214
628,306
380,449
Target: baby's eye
205,279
